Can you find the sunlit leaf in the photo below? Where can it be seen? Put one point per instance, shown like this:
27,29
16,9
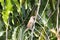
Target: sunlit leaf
53,31
14,34
1,33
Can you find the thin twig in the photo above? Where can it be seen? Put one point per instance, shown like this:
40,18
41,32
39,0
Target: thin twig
35,19
57,20
40,33
57,15
7,33
38,9
45,7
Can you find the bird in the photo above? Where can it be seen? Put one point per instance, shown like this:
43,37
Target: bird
30,24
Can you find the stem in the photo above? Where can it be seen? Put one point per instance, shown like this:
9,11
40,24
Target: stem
45,7
58,36
57,15
32,32
38,9
35,19
7,33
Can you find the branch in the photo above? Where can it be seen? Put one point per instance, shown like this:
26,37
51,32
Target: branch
57,16
58,35
7,33
35,19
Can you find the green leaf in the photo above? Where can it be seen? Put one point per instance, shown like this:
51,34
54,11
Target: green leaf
14,34
1,33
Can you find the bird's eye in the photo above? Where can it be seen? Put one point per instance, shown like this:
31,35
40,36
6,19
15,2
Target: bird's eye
34,18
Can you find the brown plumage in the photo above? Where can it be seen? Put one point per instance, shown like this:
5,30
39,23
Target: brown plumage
30,23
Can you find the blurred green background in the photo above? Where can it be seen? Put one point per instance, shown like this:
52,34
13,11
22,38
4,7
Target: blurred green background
15,14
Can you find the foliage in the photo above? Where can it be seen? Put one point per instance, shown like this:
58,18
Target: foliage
15,14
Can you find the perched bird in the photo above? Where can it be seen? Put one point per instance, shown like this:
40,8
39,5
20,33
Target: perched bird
30,23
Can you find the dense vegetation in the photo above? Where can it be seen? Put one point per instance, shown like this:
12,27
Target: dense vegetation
15,14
